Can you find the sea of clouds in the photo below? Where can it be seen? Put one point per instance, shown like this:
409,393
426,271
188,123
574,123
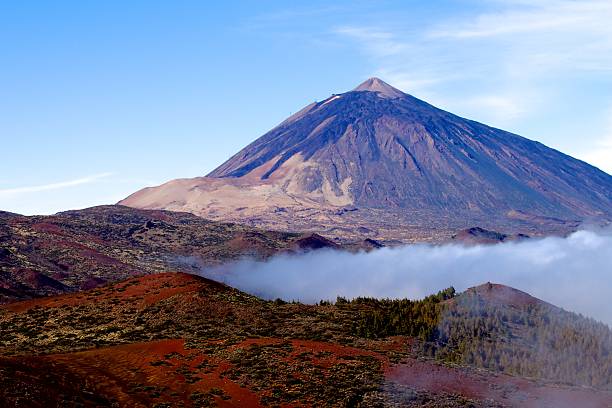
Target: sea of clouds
573,272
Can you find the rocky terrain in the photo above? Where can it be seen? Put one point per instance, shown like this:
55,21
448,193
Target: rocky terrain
377,163
477,235
172,339
74,250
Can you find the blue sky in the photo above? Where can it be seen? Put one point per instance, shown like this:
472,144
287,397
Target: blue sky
99,99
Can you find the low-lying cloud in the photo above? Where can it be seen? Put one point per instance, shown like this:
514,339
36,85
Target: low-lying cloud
574,272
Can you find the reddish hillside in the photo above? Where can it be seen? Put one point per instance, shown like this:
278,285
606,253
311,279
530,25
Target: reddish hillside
174,339
75,250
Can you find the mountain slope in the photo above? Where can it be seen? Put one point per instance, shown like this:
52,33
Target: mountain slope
503,329
376,149
75,250
173,339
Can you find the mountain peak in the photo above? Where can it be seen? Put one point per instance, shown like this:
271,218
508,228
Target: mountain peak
381,164
381,87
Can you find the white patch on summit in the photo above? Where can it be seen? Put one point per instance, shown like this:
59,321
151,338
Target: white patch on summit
333,98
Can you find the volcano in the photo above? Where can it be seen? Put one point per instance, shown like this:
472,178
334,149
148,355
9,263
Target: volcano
379,163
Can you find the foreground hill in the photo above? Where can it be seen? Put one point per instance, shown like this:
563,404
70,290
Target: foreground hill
172,339
380,163
73,250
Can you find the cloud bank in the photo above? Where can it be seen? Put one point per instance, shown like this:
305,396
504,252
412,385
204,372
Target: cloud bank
574,272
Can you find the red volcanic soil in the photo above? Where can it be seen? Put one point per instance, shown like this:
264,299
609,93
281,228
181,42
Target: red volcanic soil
327,354
143,374
116,367
37,279
86,252
135,375
484,385
151,288
48,228
234,371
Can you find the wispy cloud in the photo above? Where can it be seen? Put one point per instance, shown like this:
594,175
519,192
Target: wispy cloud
535,16
378,42
600,154
529,66
503,107
285,21
522,18
53,186
557,34
561,35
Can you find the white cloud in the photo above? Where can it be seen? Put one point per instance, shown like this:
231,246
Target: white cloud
522,40
558,35
500,108
600,155
89,191
50,198
526,66
410,83
544,16
572,272
11,192
377,42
